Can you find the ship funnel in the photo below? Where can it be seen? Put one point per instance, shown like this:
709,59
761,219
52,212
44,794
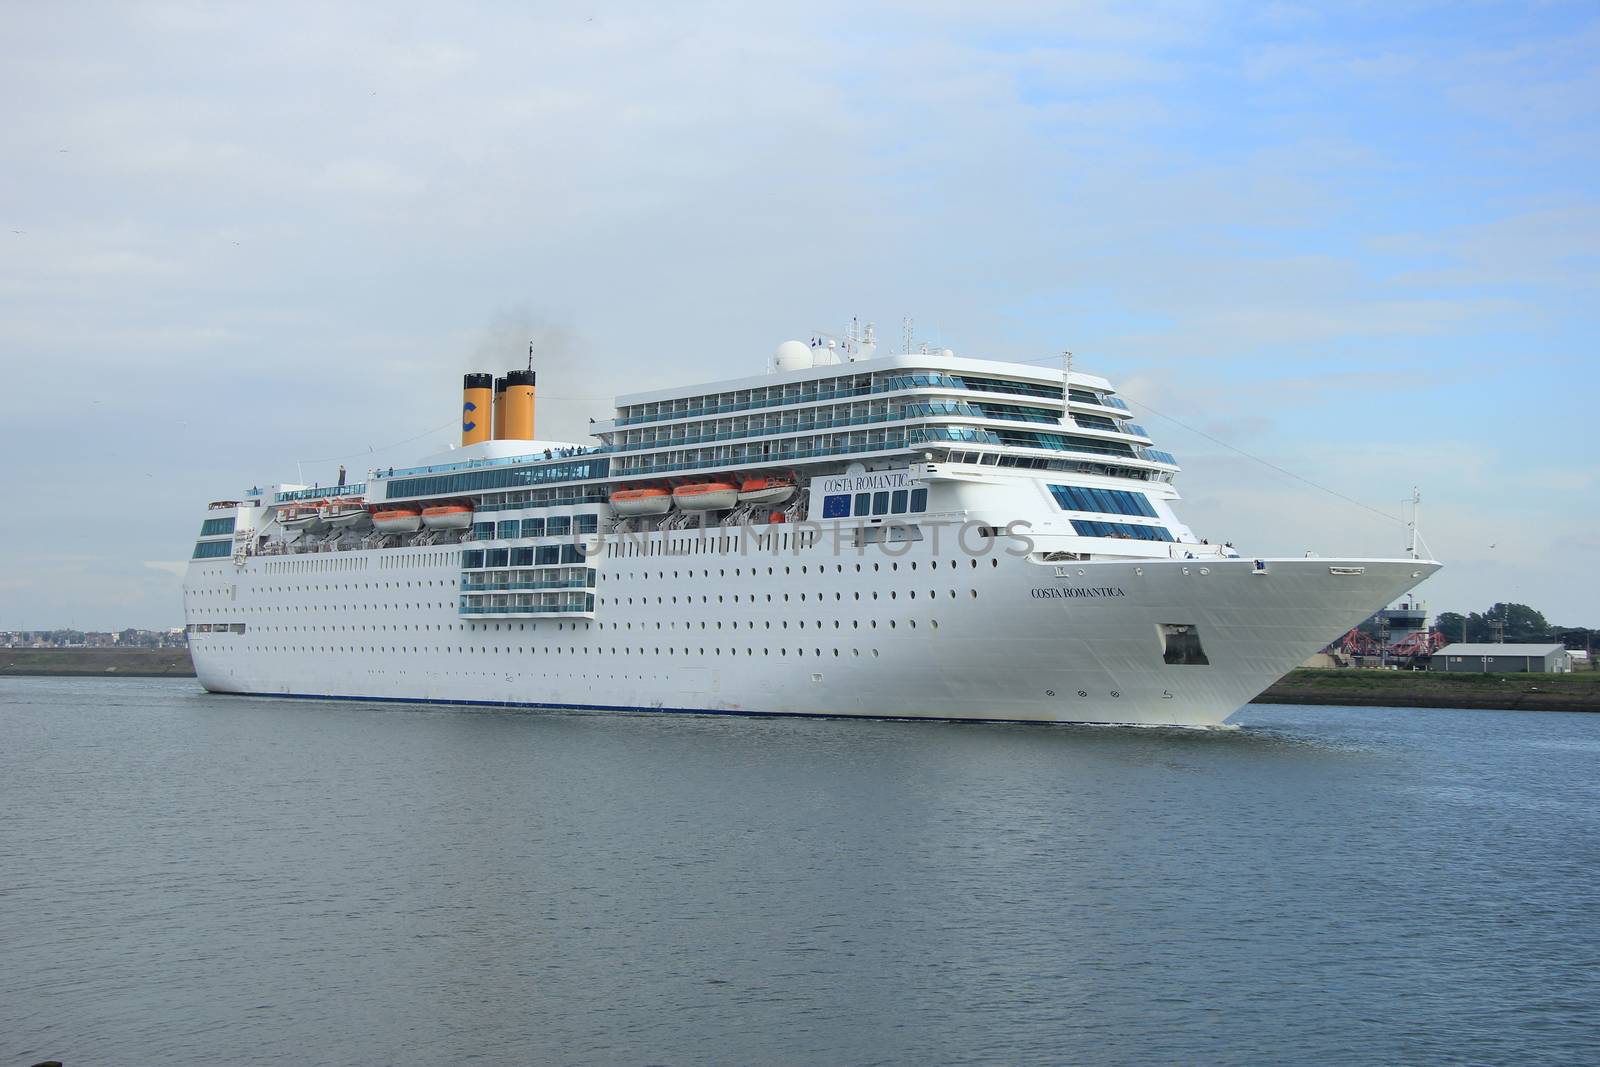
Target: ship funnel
514,407
477,406
499,408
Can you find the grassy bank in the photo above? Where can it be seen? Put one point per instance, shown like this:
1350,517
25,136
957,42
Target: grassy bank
1423,689
109,662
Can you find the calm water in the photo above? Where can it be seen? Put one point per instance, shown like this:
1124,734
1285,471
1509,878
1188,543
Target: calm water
193,879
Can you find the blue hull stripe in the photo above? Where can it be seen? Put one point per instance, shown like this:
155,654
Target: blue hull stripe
679,711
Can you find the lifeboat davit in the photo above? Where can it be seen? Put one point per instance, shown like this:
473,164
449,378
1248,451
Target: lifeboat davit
766,491
306,517
347,515
397,520
447,517
646,501
706,496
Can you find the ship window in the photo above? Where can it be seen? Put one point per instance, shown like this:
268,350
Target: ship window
1125,530
863,504
532,527
880,503
1180,644
509,528
919,500
897,502
558,526
1104,501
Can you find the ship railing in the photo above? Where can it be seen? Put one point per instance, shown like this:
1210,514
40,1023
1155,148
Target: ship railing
1186,550
893,383
504,587
902,383
555,456
525,609
598,496
318,492
895,441
911,412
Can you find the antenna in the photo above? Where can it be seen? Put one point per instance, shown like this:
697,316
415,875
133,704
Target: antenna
1066,389
530,356
1416,504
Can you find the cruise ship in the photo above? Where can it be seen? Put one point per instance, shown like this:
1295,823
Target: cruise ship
916,536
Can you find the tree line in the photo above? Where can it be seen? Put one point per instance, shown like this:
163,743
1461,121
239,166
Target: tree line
1522,625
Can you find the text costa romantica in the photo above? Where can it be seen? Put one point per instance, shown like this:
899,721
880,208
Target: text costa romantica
1076,592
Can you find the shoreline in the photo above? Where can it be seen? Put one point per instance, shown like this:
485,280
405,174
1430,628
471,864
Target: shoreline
1355,687
96,663
1325,687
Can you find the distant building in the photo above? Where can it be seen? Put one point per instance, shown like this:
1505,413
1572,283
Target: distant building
1502,659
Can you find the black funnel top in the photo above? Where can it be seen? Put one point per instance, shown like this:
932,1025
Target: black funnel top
477,381
519,377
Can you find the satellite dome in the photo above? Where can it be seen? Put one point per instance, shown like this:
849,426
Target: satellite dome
793,355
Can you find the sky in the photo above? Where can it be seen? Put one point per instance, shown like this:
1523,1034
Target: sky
1328,252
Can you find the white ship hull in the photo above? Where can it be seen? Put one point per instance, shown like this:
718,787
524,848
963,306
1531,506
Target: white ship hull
909,636
963,539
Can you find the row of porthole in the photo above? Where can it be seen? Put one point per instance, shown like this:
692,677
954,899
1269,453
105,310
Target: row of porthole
672,624
347,563
800,624
625,650
645,575
755,572
483,627
341,586
642,601
328,608
705,598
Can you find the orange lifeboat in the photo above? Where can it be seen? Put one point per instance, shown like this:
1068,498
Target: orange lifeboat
447,517
706,496
766,490
397,520
349,513
306,517
649,500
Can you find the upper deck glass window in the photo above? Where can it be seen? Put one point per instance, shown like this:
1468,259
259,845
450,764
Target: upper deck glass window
1128,530
1104,501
